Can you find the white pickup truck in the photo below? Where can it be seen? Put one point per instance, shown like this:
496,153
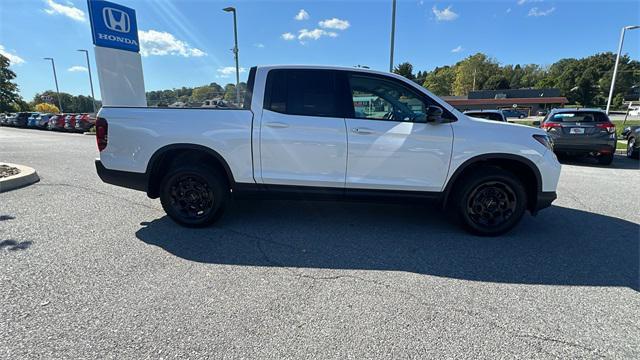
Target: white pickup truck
329,132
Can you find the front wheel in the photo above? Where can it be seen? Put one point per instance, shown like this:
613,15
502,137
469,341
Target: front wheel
490,201
194,196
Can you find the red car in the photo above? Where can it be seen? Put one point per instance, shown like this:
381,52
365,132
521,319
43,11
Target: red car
84,122
57,122
70,122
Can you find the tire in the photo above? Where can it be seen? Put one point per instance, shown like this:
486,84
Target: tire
606,159
632,152
194,196
489,202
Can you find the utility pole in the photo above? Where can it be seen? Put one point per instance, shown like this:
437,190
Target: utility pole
93,97
235,51
615,68
393,33
55,78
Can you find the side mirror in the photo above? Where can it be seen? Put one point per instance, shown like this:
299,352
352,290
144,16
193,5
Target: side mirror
434,114
536,123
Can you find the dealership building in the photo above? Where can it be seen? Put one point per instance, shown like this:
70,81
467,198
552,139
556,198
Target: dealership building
529,101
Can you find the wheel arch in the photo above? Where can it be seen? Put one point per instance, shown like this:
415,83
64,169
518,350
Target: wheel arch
168,155
520,166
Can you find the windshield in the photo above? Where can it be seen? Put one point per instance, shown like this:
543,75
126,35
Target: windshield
486,115
579,116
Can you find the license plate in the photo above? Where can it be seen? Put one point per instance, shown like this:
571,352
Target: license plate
576,131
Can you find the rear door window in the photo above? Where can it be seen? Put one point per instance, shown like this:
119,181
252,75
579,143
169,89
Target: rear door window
303,92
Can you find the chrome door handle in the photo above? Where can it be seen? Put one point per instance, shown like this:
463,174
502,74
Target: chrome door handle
277,124
362,131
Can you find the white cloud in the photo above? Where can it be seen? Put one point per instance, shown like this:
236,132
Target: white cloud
535,12
153,42
444,15
227,71
314,34
288,36
334,23
457,49
259,45
77,68
67,10
13,58
522,2
508,10
302,15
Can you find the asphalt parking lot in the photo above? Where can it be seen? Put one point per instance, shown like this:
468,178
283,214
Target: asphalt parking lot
89,270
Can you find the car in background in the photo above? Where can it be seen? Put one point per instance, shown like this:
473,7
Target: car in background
513,113
632,135
581,132
22,119
495,115
542,113
634,111
70,122
42,121
3,119
31,121
84,122
56,122
9,120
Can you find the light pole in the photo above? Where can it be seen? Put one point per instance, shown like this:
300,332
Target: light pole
615,68
55,78
93,97
235,51
393,33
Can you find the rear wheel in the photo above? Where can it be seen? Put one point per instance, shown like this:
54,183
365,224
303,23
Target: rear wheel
605,159
490,201
632,152
194,196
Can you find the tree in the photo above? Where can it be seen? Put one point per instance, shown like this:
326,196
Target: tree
496,82
8,89
230,92
47,108
474,70
440,80
405,69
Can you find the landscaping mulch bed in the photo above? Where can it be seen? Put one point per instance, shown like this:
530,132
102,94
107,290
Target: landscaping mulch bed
6,171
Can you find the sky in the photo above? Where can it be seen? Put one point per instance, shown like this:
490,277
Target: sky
188,42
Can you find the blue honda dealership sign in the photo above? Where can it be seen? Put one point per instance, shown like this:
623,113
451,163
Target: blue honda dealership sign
113,25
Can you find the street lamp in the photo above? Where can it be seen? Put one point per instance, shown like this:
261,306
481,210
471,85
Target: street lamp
393,33
93,98
235,51
55,78
615,68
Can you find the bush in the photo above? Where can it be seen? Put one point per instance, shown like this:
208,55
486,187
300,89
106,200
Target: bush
47,108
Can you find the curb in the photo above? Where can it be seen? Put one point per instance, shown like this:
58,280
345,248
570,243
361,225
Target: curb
27,176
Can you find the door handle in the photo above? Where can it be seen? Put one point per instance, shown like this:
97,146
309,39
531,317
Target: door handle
277,124
362,131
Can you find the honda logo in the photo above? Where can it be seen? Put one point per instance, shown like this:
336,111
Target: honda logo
116,20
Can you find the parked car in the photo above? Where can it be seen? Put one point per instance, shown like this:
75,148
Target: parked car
495,115
632,135
3,119
57,122
513,113
70,122
42,121
31,121
581,132
634,111
299,133
10,120
542,113
84,122
22,119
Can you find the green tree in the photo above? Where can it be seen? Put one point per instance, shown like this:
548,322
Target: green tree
440,80
405,69
8,89
474,70
496,82
230,92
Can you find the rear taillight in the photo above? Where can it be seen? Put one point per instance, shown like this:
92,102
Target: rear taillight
102,130
550,125
609,127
